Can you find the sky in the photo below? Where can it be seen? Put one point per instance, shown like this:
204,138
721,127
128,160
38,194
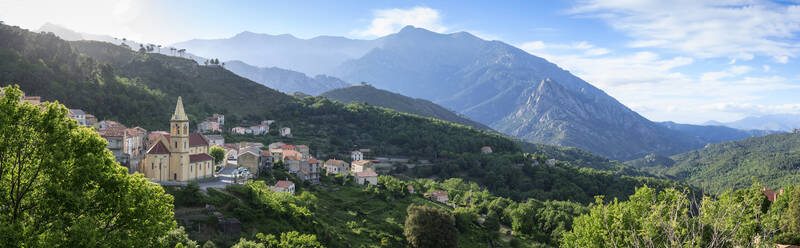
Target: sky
685,61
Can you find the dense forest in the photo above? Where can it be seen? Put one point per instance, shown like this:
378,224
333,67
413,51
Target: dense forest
773,160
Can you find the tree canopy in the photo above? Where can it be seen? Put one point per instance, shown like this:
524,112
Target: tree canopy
60,186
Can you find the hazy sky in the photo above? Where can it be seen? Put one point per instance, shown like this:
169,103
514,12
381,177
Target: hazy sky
686,61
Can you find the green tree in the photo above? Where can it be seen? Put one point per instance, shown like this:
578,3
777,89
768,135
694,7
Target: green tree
218,153
60,186
430,227
291,239
177,237
209,244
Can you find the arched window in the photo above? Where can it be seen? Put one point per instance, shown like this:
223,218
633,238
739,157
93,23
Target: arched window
176,144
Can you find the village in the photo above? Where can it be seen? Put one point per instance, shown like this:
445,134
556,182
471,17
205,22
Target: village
179,156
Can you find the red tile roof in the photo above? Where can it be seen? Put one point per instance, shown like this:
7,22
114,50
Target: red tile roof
155,134
284,184
313,161
288,147
367,174
158,148
771,194
334,162
362,162
200,157
439,193
112,132
196,139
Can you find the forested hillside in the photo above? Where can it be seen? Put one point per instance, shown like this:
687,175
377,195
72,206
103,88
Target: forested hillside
116,83
773,160
368,94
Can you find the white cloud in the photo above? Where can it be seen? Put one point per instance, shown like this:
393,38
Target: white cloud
766,68
704,29
587,48
732,71
388,21
653,86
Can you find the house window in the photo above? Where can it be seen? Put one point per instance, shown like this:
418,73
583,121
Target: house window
191,168
153,165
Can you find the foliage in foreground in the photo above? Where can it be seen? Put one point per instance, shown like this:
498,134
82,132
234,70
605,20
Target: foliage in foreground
60,186
670,218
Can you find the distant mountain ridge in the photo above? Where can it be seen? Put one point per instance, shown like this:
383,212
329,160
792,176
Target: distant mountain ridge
715,133
776,122
286,81
400,103
318,55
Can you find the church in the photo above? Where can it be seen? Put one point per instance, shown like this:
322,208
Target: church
180,156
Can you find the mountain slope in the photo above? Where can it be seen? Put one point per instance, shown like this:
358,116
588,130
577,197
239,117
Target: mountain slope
774,160
138,89
777,122
400,103
313,56
715,133
502,86
286,81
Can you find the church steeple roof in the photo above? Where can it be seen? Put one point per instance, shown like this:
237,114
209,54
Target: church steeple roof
179,114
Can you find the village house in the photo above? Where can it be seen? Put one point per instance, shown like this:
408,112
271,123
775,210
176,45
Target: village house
179,156
283,186
302,149
771,194
366,177
333,166
289,147
116,137
361,165
266,159
276,145
241,130
78,115
218,118
250,158
309,170
262,129
356,156
486,150
215,140
439,196
90,120
292,161
135,146
208,127
32,100
107,124
286,132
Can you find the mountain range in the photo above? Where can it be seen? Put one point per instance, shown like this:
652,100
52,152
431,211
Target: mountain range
490,82
487,82
777,122
286,81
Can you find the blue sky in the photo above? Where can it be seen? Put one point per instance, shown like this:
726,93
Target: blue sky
685,61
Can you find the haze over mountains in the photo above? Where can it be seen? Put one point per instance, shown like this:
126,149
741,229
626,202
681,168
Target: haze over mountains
777,122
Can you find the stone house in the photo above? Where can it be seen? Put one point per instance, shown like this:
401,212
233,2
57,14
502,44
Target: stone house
361,165
356,156
286,132
366,177
283,186
333,166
